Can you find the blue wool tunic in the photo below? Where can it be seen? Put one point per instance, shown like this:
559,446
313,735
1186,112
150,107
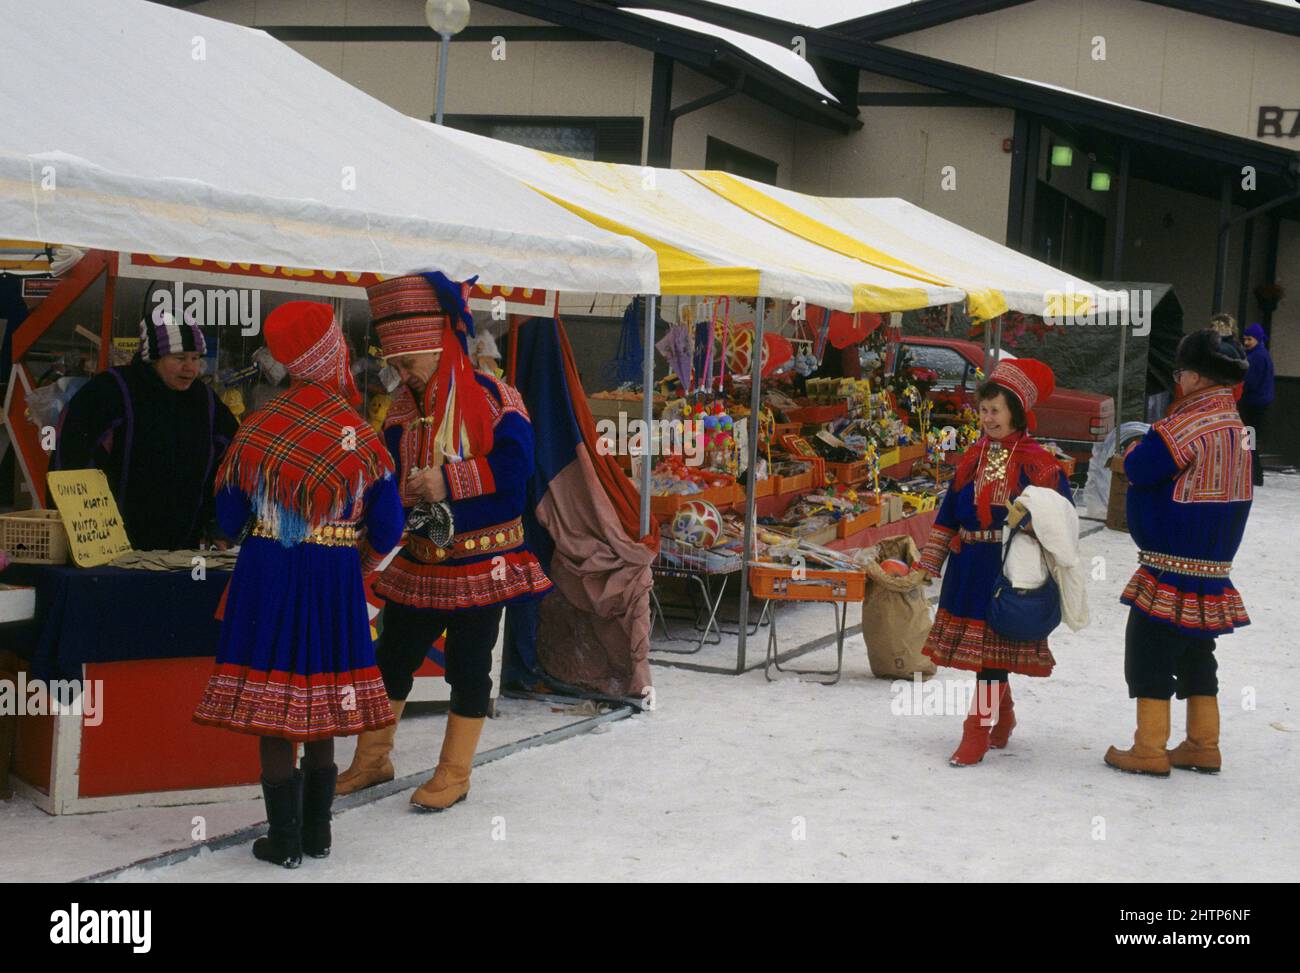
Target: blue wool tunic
1188,500
295,658
959,637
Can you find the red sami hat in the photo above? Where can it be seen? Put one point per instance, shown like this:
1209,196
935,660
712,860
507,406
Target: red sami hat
1029,380
304,337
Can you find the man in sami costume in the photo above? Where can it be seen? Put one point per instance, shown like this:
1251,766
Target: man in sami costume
463,446
1188,499
991,473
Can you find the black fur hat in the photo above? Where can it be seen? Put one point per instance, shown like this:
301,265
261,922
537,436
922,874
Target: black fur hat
1208,353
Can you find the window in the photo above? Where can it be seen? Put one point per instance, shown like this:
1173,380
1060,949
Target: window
725,157
601,139
950,366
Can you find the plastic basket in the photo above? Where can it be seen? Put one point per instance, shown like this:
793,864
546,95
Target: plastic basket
676,556
778,584
848,526
34,537
849,474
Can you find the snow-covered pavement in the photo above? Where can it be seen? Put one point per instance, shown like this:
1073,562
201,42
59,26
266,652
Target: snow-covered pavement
736,778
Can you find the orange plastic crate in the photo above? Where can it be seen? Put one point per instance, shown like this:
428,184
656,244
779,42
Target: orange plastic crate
723,497
849,474
851,525
778,584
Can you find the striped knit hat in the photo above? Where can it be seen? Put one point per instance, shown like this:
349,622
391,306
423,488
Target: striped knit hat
161,334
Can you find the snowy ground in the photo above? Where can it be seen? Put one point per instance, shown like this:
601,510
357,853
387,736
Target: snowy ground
736,778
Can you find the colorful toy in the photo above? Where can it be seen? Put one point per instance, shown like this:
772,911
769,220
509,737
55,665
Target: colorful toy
697,523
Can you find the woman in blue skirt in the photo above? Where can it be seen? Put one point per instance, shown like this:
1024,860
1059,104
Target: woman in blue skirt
990,475
309,485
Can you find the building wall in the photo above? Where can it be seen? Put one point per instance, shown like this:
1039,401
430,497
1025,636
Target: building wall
903,151
1195,68
740,120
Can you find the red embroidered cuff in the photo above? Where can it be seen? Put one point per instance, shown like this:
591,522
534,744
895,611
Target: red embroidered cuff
935,551
370,558
472,478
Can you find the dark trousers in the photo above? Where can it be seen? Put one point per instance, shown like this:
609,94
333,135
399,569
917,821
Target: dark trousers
1160,661
471,635
1254,416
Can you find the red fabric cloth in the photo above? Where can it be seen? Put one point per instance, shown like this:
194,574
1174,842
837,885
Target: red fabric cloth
288,455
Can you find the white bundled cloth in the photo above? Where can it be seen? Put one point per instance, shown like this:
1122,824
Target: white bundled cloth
1055,549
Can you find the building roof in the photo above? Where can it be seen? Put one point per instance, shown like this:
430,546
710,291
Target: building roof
775,56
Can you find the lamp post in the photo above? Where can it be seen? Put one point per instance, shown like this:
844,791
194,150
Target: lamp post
446,17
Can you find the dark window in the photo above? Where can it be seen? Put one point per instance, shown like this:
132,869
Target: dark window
725,157
601,139
1067,234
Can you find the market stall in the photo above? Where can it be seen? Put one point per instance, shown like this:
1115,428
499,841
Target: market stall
342,186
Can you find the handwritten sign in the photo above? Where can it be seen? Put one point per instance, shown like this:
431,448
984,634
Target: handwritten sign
90,516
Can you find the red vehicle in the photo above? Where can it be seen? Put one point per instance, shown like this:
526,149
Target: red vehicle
1072,418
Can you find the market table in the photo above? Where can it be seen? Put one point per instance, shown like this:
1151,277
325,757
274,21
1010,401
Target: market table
143,643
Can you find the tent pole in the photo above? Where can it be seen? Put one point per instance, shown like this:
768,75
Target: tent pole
751,428
647,408
988,348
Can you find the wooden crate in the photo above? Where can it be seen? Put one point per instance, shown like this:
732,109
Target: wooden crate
905,453
778,584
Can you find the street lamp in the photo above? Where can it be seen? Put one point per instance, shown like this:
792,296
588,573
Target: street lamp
446,17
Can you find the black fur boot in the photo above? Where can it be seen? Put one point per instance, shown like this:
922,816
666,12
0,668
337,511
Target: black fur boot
283,842
317,799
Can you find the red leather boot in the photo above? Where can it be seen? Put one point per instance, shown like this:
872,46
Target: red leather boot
1001,732
975,731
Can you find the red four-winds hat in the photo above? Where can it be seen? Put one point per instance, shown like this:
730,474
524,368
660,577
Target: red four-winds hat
1029,380
305,337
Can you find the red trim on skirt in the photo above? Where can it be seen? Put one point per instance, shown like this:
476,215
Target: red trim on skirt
968,643
294,706
1197,614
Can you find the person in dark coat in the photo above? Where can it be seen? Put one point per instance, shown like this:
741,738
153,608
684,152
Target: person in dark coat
1257,396
158,433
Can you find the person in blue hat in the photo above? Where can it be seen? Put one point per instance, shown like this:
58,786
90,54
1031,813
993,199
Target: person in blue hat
1257,395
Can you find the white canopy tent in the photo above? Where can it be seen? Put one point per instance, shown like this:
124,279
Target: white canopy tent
133,126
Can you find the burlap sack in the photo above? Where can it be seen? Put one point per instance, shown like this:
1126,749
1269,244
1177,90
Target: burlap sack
895,614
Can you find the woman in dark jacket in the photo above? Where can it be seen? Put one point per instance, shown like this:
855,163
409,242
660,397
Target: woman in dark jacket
157,432
1257,396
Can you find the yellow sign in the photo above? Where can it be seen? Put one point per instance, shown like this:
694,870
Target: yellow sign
90,516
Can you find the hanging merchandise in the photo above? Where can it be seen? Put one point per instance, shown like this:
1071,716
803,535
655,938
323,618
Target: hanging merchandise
629,360
677,347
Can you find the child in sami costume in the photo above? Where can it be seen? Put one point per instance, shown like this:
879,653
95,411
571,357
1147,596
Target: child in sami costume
1188,499
313,487
463,446
990,475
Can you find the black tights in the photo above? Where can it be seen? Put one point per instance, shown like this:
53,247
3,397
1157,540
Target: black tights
278,757
992,675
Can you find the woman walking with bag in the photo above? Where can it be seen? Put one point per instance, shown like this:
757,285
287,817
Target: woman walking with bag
307,477
990,475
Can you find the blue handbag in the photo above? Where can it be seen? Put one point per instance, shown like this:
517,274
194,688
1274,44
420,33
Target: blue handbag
1023,614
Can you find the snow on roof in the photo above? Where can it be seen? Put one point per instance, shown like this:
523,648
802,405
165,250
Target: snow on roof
1104,101
813,13
775,56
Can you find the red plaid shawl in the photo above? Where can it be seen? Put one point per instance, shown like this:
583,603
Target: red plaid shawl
296,458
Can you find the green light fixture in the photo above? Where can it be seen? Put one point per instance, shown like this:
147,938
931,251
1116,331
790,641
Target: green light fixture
1099,181
1062,156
